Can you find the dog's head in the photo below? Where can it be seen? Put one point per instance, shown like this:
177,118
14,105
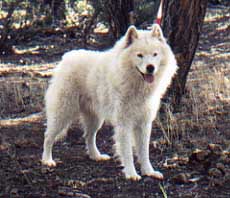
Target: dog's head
144,50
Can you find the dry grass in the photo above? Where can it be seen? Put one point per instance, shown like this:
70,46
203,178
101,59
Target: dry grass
22,90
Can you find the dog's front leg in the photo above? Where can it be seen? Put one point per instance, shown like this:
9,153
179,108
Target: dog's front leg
142,135
123,145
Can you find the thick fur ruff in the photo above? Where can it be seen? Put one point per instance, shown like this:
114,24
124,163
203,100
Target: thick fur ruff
123,85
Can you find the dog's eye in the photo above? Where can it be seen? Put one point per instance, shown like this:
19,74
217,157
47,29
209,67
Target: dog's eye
155,54
140,55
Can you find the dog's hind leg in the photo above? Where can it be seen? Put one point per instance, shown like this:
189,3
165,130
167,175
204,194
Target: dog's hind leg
55,130
92,124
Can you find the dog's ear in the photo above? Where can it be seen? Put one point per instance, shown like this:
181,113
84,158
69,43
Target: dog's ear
157,32
131,35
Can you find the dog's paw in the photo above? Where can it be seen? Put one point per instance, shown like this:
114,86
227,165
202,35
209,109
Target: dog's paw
131,174
134,177
101,157
50,163
155,174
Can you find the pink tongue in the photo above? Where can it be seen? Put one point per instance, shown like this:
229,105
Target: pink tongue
148,78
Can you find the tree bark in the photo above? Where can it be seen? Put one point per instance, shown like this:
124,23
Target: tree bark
57,8
120,15
182,23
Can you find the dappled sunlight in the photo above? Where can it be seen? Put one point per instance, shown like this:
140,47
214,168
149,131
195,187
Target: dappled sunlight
214,14
34,70
224,26
35,117
29,50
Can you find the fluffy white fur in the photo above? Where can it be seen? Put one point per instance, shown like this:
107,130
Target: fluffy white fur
97,86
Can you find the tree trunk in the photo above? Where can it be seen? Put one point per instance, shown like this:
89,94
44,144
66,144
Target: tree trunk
57,8
120,15
182,22
6,42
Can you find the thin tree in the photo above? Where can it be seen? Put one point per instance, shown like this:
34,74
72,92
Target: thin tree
118,14
6,42
57,9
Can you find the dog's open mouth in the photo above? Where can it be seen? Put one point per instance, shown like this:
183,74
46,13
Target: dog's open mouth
147,77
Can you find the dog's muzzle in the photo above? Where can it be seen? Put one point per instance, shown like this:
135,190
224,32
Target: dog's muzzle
147,77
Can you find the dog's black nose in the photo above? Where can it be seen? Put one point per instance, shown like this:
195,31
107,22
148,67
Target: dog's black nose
150,68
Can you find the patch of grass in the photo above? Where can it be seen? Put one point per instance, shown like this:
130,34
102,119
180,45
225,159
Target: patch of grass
163,191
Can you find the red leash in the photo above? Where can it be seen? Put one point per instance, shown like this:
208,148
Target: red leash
159,14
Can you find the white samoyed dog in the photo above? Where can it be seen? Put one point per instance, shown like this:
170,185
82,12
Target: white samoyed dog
123,85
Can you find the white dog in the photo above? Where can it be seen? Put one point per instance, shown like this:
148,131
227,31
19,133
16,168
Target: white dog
123,85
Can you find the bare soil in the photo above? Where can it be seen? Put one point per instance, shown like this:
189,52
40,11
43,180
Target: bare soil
195,160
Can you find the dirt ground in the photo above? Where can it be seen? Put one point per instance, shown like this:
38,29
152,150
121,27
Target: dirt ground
191,147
